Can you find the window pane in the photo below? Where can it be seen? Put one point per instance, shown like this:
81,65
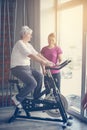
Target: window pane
71,43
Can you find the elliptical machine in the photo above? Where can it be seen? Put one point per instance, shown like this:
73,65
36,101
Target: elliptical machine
54,104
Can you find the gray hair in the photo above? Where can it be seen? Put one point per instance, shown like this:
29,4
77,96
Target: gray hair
25,30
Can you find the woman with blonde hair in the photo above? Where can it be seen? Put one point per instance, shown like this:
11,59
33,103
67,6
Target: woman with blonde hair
54,54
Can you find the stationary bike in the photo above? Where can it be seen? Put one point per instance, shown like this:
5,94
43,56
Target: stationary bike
54,104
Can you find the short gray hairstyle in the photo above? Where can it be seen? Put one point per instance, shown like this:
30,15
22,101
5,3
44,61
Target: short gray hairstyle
25,30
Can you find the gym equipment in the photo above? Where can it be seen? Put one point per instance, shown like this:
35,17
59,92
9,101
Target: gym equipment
54,104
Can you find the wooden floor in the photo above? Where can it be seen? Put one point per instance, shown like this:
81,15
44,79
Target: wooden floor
26,124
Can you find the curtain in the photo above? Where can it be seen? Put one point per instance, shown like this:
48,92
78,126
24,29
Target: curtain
7,28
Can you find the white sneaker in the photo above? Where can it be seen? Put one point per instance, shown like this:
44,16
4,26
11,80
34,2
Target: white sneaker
16,102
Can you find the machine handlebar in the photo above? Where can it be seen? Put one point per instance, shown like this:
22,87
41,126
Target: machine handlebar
66,62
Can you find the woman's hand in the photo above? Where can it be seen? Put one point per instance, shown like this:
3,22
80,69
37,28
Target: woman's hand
50,64
44,71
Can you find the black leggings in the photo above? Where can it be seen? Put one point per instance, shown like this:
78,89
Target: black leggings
57,80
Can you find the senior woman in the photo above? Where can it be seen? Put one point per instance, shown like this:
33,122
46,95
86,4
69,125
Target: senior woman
21,55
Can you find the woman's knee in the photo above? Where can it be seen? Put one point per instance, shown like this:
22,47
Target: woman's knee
32,83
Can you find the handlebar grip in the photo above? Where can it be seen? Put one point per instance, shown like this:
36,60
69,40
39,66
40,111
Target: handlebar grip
65,62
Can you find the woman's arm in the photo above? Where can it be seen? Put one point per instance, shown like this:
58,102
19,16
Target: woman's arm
59,59
41,59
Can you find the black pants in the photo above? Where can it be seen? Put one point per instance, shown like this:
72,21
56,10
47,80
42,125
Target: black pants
48,82
57,79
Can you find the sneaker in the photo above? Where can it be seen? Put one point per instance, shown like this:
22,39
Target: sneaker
16,102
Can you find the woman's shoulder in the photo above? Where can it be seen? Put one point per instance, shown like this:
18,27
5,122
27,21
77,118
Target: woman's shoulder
19,42
58,47
45,47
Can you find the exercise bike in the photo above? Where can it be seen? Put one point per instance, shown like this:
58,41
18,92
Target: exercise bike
54,104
